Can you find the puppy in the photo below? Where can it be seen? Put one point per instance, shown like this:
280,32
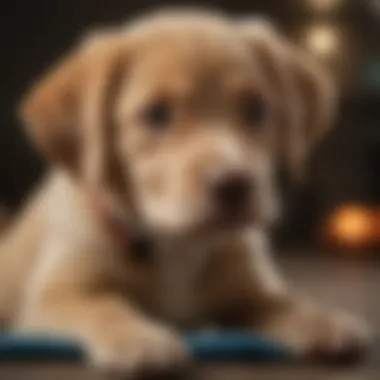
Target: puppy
163,137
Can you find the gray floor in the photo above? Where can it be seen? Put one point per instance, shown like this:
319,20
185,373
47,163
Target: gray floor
350,284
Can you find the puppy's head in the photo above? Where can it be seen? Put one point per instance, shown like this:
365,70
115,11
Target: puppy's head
182,118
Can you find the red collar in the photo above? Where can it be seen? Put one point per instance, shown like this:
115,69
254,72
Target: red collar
112,222
132,240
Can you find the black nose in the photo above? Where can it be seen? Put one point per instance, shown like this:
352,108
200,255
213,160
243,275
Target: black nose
232,190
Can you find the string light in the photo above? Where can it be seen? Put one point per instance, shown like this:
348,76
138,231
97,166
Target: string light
323,40
324,6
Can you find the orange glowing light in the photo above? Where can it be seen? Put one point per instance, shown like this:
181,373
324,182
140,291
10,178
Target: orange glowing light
352,227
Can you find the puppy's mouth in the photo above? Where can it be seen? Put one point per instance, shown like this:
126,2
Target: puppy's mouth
228,220
234,217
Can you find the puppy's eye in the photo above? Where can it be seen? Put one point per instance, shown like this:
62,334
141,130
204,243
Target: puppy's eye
158,115
254,111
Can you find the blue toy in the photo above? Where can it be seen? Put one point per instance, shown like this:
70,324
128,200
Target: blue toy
204,346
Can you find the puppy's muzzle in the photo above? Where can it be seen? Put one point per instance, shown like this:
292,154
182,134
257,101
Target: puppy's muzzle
232,192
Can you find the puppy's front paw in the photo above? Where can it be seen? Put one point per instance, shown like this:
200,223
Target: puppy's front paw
138,351
319,334
337,337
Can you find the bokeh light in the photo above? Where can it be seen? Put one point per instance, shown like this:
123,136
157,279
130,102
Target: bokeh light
352,226
322,40
324,6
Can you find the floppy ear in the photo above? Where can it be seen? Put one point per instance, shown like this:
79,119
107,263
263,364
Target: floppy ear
304,94
64,112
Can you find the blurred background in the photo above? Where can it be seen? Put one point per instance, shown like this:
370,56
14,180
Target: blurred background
335,208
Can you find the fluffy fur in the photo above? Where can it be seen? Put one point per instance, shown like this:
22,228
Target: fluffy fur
63,271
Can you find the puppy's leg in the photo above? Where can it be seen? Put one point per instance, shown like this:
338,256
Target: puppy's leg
72,301
116,336
268,305
314,331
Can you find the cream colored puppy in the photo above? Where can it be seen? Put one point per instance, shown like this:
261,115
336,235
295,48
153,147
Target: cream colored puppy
169,128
